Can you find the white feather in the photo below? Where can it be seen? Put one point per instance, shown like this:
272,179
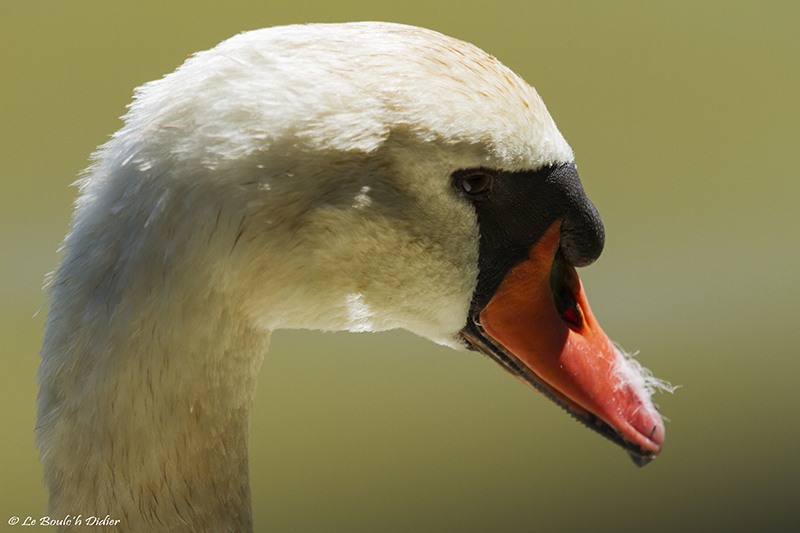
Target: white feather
292,177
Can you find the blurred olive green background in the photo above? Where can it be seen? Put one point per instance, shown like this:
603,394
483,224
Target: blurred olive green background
685,119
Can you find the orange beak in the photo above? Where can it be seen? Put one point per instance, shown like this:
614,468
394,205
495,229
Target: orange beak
538,325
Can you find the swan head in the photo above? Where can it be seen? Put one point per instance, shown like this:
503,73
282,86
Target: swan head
365,177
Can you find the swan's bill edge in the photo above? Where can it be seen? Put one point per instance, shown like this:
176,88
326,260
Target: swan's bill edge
561,351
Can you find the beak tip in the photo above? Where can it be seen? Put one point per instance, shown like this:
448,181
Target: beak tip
657,435
650,426
641,460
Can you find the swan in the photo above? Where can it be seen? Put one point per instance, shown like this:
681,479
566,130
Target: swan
359,177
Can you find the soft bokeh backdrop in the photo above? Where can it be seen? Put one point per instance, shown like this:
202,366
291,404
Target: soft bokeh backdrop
685,118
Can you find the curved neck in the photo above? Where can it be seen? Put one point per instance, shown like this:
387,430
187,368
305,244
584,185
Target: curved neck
144,415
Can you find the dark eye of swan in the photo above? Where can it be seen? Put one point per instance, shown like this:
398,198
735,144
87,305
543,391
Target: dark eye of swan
474,182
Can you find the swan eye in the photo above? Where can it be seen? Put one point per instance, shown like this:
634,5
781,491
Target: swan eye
474,182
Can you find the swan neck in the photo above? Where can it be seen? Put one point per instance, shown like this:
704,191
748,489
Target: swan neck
145,421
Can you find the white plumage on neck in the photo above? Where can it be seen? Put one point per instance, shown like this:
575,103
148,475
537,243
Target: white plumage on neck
293,177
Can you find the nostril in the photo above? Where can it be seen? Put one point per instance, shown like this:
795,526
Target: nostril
565,284
572,318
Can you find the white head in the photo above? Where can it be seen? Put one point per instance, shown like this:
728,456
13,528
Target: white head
309,177
315,148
